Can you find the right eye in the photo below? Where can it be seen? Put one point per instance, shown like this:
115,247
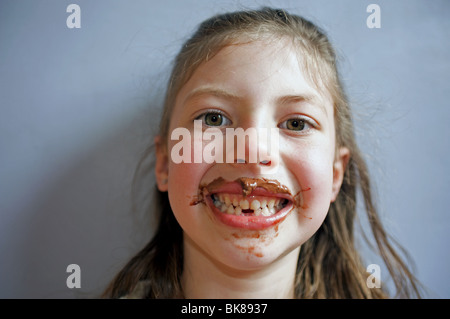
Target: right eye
214,119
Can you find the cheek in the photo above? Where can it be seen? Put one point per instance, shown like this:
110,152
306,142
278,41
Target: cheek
312,169
184,174
184,179
183,186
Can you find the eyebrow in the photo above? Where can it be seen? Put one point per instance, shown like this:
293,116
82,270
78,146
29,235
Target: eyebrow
211,91
286,99
297,98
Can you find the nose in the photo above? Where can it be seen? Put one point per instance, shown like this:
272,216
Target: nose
256,148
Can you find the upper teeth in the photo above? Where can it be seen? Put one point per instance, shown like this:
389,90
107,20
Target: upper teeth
234,205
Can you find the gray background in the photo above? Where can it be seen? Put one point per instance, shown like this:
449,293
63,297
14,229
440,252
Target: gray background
79,106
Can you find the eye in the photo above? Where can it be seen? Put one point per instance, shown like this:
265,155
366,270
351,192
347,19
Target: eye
214,119
296,124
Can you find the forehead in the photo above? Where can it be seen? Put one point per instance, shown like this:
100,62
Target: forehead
258,70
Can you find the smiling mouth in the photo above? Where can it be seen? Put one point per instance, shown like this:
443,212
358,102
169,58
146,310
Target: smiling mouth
238,205
249,203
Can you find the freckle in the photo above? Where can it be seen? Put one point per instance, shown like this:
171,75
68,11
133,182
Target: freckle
259,255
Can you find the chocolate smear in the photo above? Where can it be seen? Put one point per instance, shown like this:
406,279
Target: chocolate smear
248,184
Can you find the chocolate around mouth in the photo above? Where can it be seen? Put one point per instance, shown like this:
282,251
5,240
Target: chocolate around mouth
248,184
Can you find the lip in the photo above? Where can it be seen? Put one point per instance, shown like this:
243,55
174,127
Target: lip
251,222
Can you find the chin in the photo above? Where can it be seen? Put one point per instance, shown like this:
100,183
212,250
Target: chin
247,251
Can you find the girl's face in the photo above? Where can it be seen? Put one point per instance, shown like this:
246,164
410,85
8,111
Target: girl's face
259,85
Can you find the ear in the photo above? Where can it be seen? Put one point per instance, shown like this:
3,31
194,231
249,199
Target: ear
339,167
162,165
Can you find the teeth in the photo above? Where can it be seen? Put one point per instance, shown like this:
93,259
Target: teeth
244,204
255,204
233,206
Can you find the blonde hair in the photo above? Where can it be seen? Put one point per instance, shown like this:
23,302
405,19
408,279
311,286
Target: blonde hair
329,265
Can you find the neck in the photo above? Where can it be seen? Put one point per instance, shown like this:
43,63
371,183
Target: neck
207,278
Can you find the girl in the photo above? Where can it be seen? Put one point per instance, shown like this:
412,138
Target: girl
235,229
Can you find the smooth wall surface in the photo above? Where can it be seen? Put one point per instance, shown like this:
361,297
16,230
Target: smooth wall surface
79,106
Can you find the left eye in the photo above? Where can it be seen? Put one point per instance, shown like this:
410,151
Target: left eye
296,124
